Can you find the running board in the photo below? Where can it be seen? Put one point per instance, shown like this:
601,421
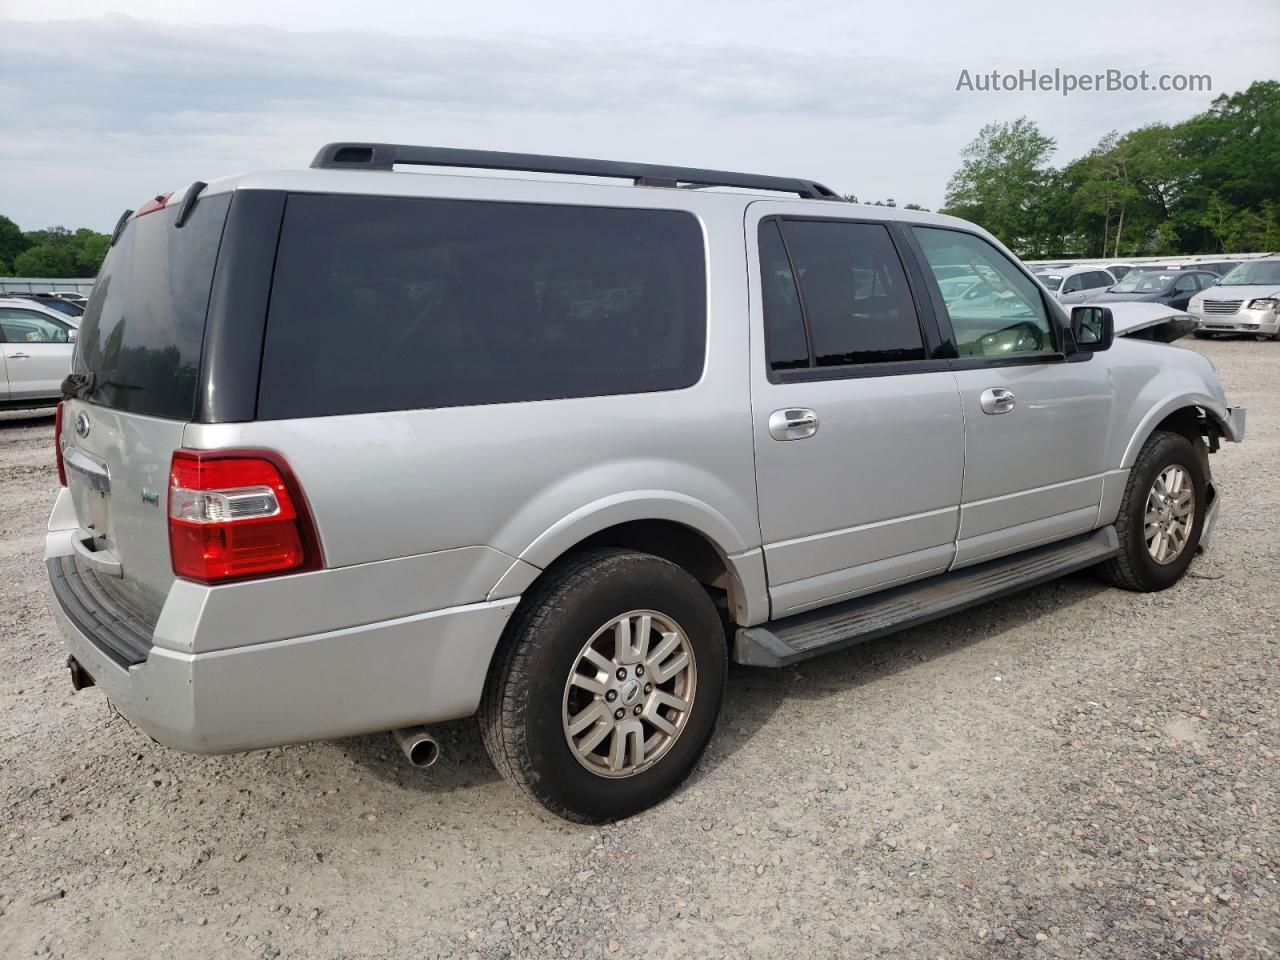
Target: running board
804,635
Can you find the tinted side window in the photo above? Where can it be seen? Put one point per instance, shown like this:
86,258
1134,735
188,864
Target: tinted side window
785,345
996,311
854,290
1073,283
382,303
27,326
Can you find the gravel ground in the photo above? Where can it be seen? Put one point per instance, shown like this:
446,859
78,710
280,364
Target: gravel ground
1074,772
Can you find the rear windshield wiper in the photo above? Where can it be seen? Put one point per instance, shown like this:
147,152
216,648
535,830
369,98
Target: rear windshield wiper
77,386
80,386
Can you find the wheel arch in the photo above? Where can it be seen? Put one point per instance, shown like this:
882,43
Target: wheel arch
686,532
1189,414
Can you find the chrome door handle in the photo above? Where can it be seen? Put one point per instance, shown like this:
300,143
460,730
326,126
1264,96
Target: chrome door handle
793,424
997,400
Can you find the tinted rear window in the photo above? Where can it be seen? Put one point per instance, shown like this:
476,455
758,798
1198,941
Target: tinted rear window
854,292
143,329
383,303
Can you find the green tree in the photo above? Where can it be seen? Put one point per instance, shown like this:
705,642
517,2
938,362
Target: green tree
45,260
12,242
1001,176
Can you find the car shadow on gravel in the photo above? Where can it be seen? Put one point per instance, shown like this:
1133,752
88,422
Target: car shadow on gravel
754,693
14,419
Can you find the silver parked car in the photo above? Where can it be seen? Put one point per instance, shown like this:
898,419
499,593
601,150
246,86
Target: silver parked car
1076,284
35,353
1246,300
351,450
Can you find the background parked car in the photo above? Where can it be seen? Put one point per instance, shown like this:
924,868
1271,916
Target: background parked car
35,353
63,305
1118,270
1076,284
1172,288
1246,300
1220,267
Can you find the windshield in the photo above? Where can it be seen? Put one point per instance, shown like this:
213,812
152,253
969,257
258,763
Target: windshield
1251,273
1143,283
1051,280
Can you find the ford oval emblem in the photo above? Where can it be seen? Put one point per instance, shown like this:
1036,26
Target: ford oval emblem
82,425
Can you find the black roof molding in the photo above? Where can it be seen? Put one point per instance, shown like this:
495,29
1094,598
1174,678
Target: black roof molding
384,156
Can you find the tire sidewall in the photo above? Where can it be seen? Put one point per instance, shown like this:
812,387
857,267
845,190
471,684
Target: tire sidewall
629,583
1169,449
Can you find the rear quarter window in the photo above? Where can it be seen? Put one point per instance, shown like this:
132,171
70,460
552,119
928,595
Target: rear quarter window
382,303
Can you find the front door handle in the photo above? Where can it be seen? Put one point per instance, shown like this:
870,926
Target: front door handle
793,424
997,400
19,356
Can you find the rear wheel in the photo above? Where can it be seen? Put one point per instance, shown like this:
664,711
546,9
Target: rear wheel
1160,517
609,686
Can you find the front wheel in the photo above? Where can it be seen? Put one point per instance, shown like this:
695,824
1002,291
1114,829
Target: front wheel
608,687
1161,515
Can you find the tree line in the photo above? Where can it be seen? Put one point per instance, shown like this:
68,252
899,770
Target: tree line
53,252
1210,184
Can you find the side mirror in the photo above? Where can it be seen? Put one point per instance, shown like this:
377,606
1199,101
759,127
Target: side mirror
72,335
1093,328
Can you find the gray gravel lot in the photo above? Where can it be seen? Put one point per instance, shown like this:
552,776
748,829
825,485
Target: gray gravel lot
1074,772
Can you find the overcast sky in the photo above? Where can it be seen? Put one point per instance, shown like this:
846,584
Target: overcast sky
116,100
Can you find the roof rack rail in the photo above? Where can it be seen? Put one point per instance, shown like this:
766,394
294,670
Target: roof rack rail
383,156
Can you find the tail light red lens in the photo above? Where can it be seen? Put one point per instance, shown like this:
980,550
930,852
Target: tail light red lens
237,514
57,444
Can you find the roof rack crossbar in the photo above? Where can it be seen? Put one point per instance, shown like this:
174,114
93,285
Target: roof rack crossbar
384,156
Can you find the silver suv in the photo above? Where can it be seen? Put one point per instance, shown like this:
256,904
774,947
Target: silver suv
350,449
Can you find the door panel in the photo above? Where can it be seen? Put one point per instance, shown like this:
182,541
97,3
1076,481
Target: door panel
37,353
36,370
4,376
1035,425
871,496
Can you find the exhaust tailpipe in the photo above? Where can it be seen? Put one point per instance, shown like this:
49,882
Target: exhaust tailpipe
419,745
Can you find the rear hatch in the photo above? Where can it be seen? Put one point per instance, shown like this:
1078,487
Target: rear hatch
135,376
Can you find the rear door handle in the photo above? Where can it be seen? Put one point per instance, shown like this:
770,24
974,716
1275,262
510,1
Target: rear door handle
997,400
19,356
795,423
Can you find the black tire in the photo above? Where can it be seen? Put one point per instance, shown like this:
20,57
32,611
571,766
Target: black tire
521,710
1134,568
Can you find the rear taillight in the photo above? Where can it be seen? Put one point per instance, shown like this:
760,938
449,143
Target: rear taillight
57,444
236,514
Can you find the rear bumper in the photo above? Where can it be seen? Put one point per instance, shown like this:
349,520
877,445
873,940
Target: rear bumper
423,668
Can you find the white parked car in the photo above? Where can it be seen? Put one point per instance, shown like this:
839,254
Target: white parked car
1246,300
35,353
